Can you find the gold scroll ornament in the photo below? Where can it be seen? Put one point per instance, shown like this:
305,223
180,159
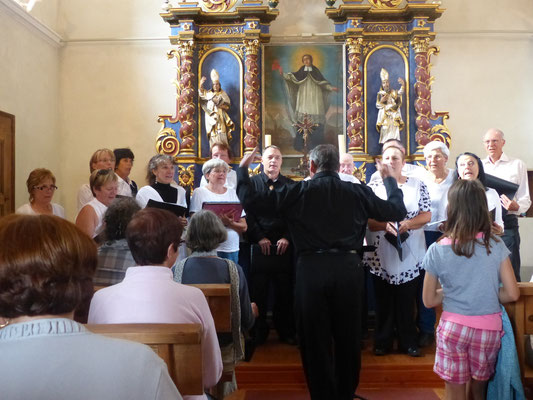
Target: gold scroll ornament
218,5
385,3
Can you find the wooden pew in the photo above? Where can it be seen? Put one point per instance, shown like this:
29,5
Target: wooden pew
521,316
218,296
179,345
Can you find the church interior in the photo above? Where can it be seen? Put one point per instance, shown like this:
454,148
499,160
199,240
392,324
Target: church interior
82,75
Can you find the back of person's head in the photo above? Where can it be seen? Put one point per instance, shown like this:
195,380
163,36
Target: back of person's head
101,177
99,155
325,157
481,170
117,217
122,153
150,233
205,232
46,266
468,215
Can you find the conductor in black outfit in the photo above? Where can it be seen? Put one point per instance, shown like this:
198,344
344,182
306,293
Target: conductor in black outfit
327,220
271,251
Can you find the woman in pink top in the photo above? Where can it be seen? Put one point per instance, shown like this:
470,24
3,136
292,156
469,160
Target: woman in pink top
473,267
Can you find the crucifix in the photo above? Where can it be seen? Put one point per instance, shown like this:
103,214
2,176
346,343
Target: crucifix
304,128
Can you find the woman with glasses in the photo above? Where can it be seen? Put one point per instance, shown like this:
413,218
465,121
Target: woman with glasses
41,186
104,186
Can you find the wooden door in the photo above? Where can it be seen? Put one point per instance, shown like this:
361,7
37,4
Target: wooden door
7,163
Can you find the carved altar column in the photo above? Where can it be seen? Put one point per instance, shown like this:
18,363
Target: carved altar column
354,114
186,107
422,89
251,95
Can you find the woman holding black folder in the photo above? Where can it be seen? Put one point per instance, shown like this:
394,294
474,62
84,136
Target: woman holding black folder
215,172
469,166
397,261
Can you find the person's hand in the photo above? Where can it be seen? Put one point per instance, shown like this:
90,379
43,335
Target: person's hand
384,169
202,81
249,158
335,89
401,82
404,226
227,218
282,246
391,228
255,310
265,246
508,204
496,229
183,221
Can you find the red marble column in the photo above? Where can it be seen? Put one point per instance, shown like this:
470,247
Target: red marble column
251,96
422,90
354,114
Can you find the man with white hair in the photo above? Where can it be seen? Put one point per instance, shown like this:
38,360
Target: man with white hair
513,170
347,168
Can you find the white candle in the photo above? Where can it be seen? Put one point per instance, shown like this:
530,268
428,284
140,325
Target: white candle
268,140
342,144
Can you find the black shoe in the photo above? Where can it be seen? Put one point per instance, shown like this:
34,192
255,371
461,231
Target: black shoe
380,351
414,352
425,339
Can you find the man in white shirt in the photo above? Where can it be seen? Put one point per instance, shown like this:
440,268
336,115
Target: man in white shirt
513,170
222,151
347,168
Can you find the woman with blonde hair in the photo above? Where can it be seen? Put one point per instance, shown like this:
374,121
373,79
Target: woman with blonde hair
103,185
101,159
41,185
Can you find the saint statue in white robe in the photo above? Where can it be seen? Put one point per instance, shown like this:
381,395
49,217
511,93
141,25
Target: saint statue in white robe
216,103
389,122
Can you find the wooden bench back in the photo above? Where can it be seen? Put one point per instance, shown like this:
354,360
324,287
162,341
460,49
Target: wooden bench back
218,297
179,345
521,316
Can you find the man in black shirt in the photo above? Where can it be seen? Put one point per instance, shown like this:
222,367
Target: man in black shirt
327,220
271,251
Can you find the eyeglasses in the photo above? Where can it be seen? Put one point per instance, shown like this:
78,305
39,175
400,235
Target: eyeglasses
46,187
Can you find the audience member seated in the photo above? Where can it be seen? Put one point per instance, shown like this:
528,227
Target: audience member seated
114,255
41,185
204,235
104,188
148,293
101,159
215,172
123,164
223,152
469,166
45,354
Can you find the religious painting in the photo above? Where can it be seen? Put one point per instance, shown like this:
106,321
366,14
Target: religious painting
219,98
303,81
386,98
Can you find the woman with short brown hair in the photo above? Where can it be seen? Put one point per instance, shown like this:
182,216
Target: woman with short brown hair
45,274
41,185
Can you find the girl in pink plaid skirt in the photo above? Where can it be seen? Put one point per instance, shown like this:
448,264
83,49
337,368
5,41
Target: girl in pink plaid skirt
469,272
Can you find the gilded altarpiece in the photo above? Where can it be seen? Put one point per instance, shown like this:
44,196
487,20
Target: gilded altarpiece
380,86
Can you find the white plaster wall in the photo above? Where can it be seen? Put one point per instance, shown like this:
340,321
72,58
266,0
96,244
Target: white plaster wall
29,90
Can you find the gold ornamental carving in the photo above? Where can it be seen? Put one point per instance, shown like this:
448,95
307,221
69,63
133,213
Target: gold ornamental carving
251,47
186,48
219,30
385,3
355,45
421,45
239,49
360,173
167,142
403,46
218,5
369,46
378,27
186,177
202,49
